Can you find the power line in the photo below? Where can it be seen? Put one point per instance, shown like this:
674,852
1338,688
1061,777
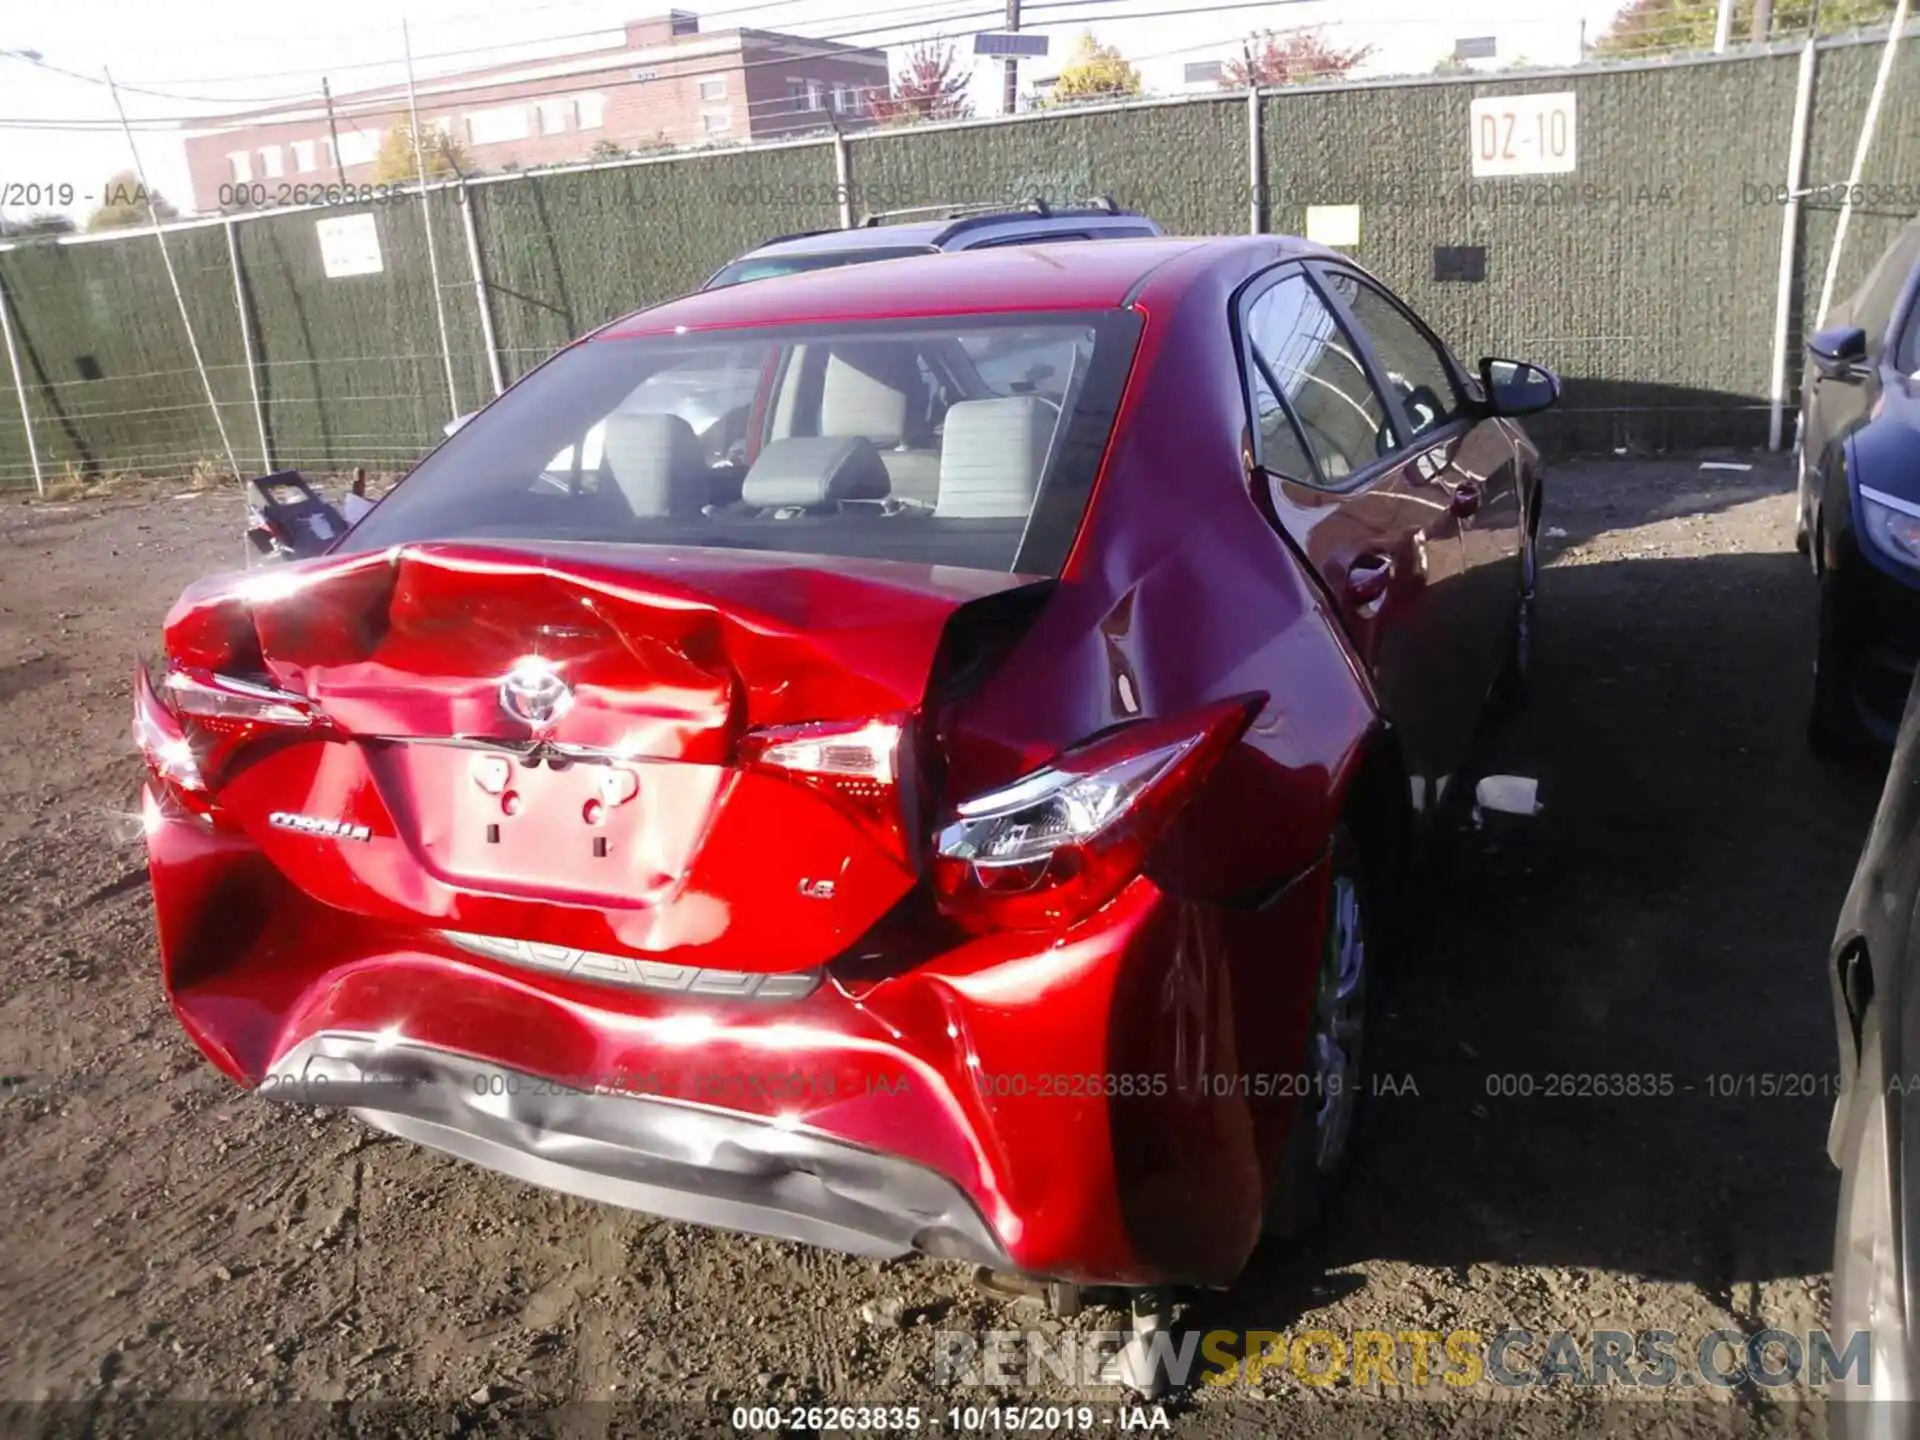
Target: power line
389,105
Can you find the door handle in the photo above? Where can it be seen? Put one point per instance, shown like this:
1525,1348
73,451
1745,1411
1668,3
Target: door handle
1466,498
1368,578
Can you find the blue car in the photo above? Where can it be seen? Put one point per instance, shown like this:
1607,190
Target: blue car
953,229
1860,503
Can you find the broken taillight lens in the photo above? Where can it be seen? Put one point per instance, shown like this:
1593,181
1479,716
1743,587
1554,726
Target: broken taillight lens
1055,845
161,741
190,725
220,701
858,766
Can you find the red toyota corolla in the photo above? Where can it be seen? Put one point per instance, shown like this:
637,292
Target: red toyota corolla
904,758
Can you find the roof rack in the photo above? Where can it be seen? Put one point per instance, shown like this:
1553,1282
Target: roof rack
1033,205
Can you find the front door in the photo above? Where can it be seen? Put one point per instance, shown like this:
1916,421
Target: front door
1472,459
1365,512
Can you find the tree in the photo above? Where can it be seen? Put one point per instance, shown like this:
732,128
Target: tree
37,227
1094,71
1654,26
930,88
445,156
1451,65
125,201
606,150
1290,57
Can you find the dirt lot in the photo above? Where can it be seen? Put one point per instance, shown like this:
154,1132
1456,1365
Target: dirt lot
162,1237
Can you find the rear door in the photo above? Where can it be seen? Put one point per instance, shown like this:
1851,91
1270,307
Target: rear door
1471,461
1374,526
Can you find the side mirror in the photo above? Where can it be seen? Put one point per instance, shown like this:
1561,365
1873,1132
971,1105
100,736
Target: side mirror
1839,352
1514,387
456,422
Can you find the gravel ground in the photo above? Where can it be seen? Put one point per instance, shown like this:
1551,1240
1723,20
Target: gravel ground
164,1238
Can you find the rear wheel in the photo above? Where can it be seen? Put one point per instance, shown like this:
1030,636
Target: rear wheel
1320,1137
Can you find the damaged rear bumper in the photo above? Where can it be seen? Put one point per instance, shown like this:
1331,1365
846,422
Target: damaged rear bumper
668,1158
1091,1106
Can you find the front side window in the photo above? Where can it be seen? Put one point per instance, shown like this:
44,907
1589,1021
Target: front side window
970,441
1871,306
1312,365
1412,364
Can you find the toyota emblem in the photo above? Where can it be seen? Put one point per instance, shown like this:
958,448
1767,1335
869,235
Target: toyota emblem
534,692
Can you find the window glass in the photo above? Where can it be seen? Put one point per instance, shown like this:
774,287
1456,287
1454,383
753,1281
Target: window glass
880,441
1022,361
1871,307
1281,449
713,392
765,267
1907,352
1412,365
1321,377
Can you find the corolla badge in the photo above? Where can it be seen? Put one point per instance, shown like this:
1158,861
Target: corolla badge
319,825
534,692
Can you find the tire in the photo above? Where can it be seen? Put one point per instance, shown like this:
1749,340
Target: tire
1834,727
1515,687
1320,1137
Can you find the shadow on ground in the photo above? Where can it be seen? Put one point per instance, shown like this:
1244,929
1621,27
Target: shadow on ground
1667,917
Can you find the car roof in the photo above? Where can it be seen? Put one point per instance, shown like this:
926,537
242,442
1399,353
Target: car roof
1067,275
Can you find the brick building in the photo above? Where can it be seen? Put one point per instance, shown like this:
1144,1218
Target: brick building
670,84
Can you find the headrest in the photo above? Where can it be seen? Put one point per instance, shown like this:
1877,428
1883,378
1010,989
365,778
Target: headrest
810,470
866,390
992,454
656,462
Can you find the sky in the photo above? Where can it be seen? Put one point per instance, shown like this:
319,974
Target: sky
210,56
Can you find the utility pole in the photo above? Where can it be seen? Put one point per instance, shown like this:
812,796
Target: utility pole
333,132
1011,98
173,279
426,224
1762,21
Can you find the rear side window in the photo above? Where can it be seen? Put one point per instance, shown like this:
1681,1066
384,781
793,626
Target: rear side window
1311,362
970,441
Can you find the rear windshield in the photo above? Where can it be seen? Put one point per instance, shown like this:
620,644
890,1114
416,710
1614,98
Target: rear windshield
765,267
969,441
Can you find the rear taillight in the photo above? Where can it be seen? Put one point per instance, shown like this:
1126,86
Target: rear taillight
219,702
858,766
161,740
188,727
1055,845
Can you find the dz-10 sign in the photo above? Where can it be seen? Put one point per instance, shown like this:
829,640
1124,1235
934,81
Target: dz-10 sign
1523,134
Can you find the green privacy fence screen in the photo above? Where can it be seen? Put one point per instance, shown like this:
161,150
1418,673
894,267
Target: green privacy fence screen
1646,276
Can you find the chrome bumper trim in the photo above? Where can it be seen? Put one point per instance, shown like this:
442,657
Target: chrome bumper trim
632,973
664,1157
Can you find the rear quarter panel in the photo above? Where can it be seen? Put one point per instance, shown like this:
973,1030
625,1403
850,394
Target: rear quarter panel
1180,592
